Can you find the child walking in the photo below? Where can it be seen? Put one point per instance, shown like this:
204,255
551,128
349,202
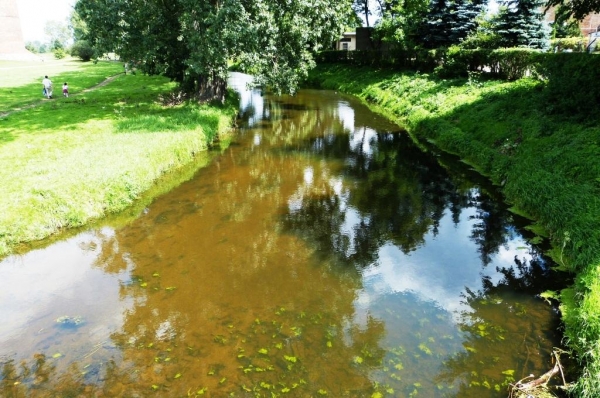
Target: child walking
66,89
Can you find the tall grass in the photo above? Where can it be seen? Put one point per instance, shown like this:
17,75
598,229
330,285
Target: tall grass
547,165
71,160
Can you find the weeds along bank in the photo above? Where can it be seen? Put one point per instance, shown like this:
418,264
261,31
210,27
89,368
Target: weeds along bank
547,164
70,160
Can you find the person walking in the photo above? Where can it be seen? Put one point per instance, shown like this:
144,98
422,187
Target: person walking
47,83
66,89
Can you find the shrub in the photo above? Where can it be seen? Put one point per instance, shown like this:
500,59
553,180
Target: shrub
568,43
458,62
59,53
513,63
83,50
573,82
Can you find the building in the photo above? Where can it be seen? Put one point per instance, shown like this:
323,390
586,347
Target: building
359,40
589,24
347,42
12,46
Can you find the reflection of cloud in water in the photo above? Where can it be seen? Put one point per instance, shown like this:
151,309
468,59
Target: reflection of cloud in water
346,115
249,99
426,274
308,176
60,280
360,138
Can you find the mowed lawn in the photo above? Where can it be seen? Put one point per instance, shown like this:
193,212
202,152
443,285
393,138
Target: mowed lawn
67,161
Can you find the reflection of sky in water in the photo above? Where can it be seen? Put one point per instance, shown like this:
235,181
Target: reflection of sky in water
61,280
416,296
439,271
249,101
430,273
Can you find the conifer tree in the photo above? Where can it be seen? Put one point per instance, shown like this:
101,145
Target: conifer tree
448,22
520,23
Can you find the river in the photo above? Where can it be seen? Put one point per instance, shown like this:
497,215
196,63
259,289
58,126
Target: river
321,253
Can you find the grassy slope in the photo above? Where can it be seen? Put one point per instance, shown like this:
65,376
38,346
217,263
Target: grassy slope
67,161
547,165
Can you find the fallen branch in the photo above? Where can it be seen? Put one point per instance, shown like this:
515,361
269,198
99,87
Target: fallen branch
529,387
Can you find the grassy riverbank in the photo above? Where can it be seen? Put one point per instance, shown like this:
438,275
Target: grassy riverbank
547,165
67,161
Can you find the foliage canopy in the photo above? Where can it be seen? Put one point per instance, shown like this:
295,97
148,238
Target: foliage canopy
192,41
577,8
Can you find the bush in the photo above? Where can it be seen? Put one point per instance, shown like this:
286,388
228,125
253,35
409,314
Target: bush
504,63
513,63
576,44
83,50
423,60
458,62
59,53
573,82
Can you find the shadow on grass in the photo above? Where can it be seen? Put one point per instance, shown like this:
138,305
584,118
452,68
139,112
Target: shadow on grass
83,76
125,98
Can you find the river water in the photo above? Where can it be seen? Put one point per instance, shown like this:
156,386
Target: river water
321,254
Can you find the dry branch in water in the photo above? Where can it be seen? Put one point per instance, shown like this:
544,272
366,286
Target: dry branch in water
537,388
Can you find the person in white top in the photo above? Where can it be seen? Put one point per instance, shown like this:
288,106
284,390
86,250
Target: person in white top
47,83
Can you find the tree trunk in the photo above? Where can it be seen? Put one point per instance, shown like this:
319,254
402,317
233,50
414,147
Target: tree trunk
211,88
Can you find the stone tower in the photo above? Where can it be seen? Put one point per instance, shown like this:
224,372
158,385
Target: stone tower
12,46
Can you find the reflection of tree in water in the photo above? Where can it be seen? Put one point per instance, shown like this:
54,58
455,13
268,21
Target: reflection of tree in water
492,227
526,328
399,193
247,313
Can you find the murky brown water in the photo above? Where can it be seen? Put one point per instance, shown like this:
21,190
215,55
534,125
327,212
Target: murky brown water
321,254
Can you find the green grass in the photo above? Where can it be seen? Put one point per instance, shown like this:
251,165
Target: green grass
68,161
21,82
547,166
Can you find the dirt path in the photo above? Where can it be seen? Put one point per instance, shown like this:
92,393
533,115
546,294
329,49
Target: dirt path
23,108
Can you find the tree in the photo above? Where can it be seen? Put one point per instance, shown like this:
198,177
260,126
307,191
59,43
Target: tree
77,26
83,50
578,9
564,25
58,33
401,21
192,41
448,22
520,23
361,7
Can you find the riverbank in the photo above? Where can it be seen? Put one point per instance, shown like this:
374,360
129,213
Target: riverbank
71,160
546,165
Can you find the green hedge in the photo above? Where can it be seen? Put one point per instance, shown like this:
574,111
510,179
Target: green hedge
573,82
502,63
417,59
573,79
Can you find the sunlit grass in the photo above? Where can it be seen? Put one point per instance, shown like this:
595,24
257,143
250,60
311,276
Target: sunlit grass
21,82
70,160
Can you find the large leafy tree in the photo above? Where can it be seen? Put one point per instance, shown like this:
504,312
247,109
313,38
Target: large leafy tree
58,34
401,20
192,41
578,9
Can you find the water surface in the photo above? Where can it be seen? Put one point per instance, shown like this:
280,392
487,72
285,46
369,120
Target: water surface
322,254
